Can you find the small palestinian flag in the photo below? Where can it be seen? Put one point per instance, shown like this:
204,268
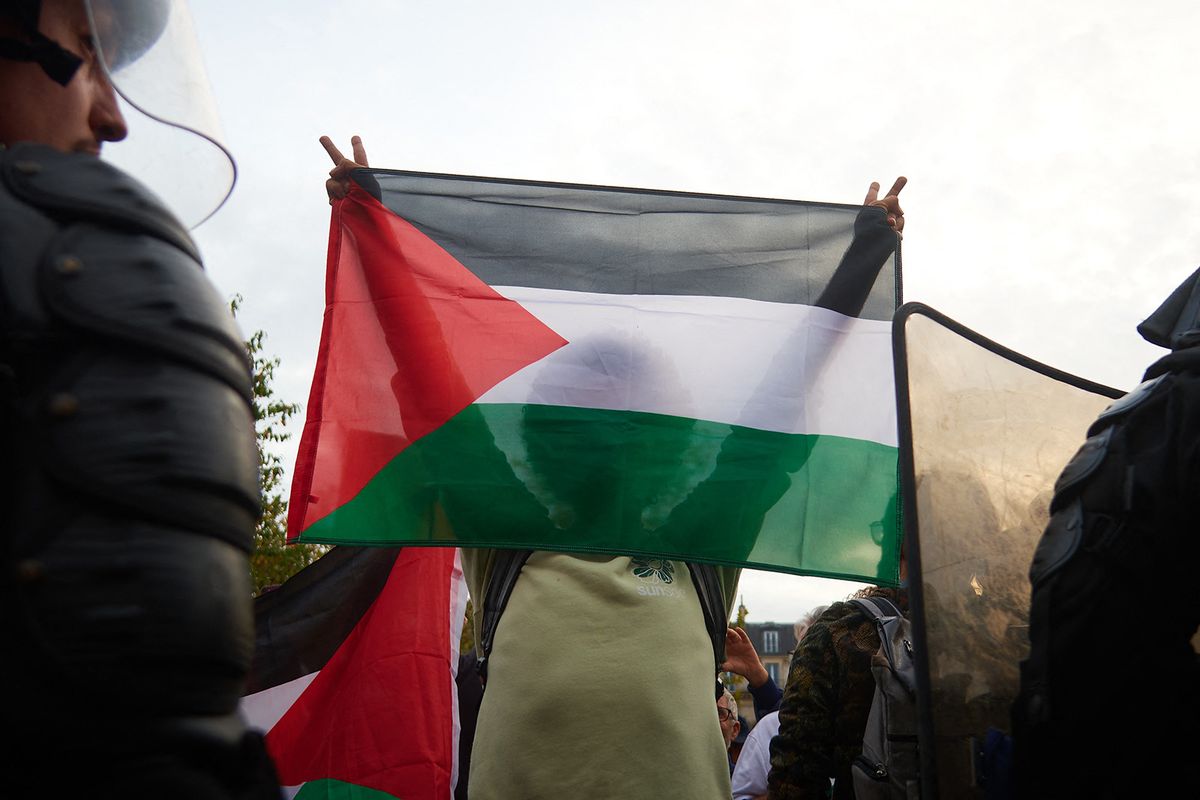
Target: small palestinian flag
354,675
514,364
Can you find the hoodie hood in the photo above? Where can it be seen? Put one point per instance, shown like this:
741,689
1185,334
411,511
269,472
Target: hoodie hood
1176,323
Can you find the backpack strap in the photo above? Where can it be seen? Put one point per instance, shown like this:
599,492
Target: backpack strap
879,609
712,602
885,613
506,567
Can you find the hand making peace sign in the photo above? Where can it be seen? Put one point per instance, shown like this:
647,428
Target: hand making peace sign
339,177
890,203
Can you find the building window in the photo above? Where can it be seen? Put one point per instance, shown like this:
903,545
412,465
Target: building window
770,641
773,671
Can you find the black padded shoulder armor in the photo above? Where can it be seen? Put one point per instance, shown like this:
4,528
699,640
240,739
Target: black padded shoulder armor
1126,404
80,188
127,377
128,460
1099,473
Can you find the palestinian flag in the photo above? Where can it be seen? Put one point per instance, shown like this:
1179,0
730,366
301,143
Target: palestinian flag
353,676
589,369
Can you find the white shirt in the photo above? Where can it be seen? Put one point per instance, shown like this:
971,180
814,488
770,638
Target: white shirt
754,762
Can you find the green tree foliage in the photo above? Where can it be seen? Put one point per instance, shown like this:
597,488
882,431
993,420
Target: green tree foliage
742,613
273,560
736,683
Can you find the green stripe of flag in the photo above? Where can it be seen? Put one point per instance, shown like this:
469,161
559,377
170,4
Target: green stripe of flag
327,789
588,480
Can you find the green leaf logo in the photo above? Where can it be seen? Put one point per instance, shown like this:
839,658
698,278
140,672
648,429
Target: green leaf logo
650,568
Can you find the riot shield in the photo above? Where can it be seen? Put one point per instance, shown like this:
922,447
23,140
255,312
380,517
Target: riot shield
984,432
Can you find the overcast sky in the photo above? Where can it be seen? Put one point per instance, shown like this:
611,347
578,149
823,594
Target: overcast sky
1051,147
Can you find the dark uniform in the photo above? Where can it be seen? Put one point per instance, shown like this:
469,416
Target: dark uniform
825,705
1110,694
128,478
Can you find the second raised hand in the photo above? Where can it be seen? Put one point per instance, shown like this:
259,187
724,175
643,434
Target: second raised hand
890,202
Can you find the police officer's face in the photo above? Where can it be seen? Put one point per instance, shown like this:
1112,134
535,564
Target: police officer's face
78,117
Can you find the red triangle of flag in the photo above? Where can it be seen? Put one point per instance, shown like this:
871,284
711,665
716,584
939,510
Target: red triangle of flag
411,337
380,713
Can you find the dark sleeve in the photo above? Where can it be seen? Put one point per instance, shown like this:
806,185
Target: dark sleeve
470,696
766,698
802,753
874,242
365,179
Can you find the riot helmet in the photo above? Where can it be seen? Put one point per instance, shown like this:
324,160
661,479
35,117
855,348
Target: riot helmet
148,51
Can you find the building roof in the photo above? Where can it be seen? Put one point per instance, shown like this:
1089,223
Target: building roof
782,643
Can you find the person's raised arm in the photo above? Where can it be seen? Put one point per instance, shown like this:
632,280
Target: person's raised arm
875,239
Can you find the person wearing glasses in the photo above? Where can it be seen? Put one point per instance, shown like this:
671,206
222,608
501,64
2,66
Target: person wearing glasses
727,714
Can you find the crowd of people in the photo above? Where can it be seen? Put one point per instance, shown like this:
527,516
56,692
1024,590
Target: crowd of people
126,585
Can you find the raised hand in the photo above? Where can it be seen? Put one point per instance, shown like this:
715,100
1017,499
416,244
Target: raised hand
742,659
339,177
890,202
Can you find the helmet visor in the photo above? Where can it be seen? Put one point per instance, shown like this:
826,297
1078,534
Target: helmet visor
150,52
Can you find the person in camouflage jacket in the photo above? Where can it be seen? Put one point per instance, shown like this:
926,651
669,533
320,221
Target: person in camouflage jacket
825,704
